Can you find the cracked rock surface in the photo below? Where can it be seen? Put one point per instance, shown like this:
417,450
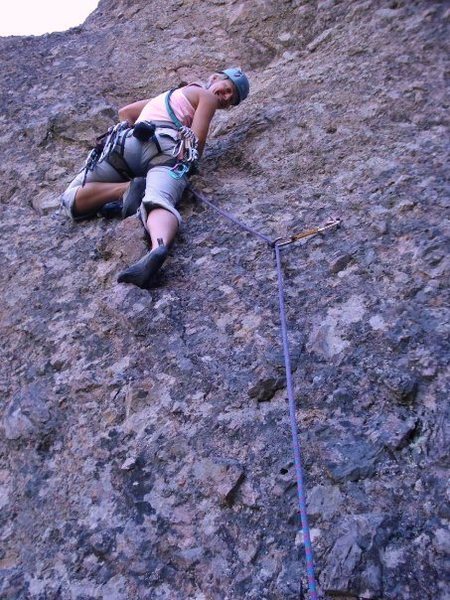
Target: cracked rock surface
145,449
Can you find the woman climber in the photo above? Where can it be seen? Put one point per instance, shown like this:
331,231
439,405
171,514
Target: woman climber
155,146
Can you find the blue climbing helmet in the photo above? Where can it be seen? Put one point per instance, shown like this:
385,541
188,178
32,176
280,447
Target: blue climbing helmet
241,82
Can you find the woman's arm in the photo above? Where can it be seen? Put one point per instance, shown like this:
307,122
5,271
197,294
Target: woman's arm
132,111
206,107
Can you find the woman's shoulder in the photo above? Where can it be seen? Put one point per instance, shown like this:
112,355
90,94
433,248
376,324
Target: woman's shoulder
194,92
197,84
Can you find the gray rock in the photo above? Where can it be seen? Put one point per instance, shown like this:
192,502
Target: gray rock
392,432
191,556
320,39
358,536
102,543
353,461
340,262
220,477
45,202
265,389
324,501
13,584
441,540
28,416
144,429
403,386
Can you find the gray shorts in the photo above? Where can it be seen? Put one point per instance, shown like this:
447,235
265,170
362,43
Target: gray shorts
162,190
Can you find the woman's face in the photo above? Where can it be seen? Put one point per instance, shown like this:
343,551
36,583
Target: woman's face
224,89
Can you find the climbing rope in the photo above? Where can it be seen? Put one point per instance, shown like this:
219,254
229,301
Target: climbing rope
276,245
294,431
229,216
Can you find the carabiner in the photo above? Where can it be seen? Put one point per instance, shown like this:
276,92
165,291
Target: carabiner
179,170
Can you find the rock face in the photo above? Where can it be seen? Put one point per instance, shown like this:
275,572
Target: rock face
145,448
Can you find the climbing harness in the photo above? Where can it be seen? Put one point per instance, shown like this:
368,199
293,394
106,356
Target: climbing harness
110,146
276,245
144,131
186,149
94,156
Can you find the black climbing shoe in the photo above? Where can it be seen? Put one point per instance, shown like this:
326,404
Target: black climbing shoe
141,273
111,210
133,197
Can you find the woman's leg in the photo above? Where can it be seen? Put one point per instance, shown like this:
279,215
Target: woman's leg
102,185
162,225
162,190
94,195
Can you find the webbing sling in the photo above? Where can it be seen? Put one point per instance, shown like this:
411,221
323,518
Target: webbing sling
175,120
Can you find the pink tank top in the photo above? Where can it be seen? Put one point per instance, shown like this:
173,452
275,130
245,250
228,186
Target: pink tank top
155,109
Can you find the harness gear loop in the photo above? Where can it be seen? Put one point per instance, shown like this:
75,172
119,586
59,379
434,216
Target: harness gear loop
110,146
186,149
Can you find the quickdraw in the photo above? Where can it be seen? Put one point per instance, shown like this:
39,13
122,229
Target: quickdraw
331,224
186,149
187,144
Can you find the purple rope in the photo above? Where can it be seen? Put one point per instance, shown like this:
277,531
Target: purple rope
292,407
294,431
230,217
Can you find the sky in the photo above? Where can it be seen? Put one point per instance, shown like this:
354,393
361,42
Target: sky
36,17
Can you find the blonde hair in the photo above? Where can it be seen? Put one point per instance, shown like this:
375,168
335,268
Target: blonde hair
218,76
221,76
